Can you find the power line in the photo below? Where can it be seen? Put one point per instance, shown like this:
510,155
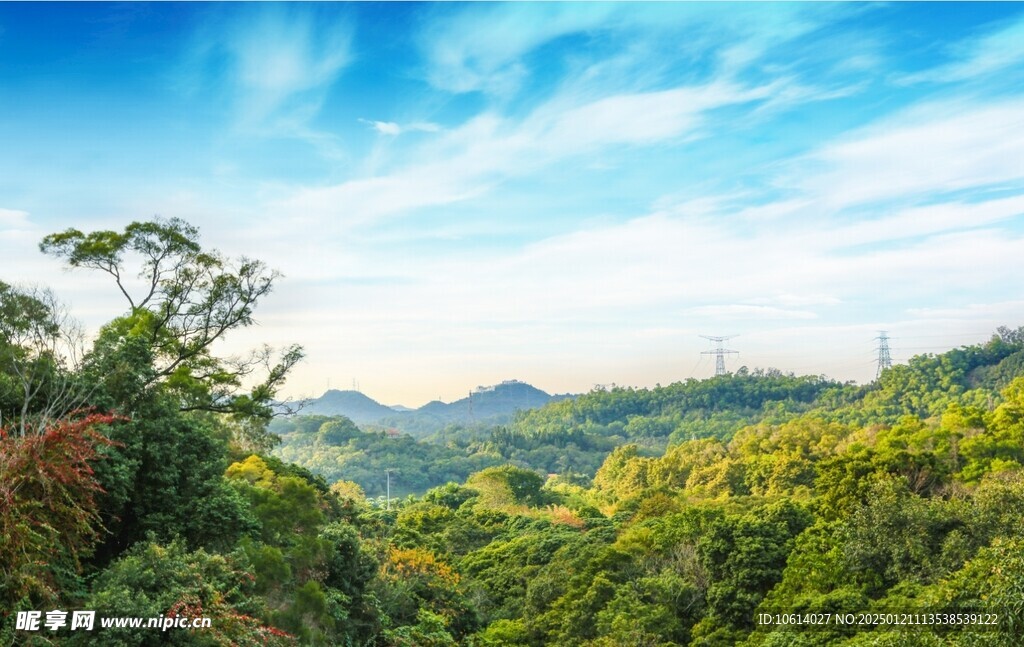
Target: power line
693,371
720,352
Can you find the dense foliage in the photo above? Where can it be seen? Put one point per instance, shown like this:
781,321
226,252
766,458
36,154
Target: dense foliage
570,437
338,450
680,515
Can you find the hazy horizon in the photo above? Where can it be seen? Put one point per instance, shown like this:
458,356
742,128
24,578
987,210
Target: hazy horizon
564,194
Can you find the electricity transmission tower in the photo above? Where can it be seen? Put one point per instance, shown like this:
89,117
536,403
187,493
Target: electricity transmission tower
884,359
719,353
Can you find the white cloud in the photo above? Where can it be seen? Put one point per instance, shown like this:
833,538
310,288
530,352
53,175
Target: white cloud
384,127
272,65
479,48
466,161
283,52
393,129
662,261
358,202
978,57
937,148
999,310
625,286
773,211
748,312
483,47
759,264
787,299
13,219
423,126
916,222
603,287
640,118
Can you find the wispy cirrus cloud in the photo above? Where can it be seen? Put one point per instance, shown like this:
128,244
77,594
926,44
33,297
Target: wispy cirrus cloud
977,57
283,58
934,148
915,251
677,272
633,119
917,222
275,63
363,201
465,161
394,129
894,213
486,47
480,47
548,191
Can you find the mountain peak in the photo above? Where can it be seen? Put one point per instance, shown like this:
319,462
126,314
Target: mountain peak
357,406
493,403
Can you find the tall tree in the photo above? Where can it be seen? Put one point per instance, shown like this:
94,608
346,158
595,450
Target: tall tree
181,299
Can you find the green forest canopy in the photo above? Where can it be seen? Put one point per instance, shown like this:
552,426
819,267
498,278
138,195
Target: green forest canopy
138,482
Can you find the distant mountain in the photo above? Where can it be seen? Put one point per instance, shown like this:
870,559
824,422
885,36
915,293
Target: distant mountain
492,404
488,402
360,408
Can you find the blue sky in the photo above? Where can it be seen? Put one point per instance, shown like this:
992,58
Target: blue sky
566,194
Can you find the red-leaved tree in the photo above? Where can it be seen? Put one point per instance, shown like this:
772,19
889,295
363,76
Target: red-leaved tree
48,509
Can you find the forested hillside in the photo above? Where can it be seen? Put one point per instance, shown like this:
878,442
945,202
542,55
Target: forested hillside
336,449
572,437
137,479
718,500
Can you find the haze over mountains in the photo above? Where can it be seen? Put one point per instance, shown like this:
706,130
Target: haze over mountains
492,405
